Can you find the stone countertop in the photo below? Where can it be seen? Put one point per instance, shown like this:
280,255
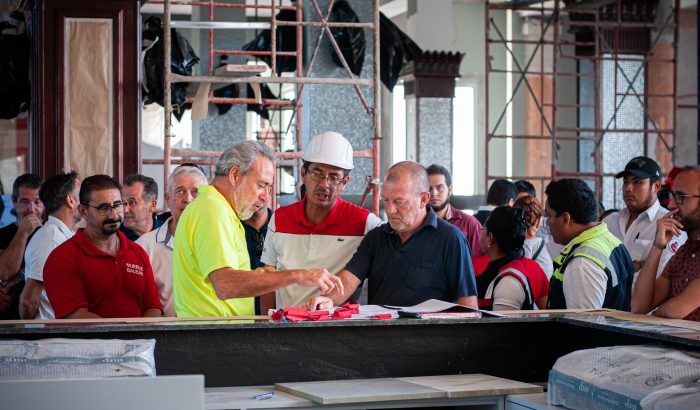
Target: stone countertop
594,321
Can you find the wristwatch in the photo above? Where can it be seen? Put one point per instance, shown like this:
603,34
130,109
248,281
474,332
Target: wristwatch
658,246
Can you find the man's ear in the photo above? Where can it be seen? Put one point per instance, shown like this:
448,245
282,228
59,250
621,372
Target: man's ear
152,205
424,199
566,218
82,209
656,186
234,175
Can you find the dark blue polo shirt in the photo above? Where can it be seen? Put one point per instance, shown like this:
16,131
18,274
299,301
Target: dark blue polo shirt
254,240
133,236
435,263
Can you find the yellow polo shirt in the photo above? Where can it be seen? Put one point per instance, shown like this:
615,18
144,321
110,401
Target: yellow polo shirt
209,237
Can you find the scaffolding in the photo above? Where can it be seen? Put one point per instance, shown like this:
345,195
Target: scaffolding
600,35
179,156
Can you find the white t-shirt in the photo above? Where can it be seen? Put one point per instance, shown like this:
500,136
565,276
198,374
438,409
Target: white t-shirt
584,284
159,247
639,237
544,259
47,238
509,294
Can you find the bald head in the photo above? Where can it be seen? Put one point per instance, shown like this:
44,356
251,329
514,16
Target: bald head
691,174
412,170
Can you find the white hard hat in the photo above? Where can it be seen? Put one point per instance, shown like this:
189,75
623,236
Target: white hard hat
329,148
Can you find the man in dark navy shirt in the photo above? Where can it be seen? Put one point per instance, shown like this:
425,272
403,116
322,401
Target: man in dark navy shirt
415,257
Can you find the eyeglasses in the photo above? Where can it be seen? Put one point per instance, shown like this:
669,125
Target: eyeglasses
106,209
318,177
182,192
259,243
680,197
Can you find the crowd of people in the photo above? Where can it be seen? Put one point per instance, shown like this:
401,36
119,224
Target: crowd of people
93,247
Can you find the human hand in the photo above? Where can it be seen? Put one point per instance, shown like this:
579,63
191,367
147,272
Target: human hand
666,228
28,224
321,279
318,303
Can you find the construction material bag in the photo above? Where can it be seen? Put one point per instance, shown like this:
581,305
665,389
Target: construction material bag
626,378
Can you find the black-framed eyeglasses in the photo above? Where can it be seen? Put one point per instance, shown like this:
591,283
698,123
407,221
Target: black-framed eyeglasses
106,209
680,197
318,177
259,244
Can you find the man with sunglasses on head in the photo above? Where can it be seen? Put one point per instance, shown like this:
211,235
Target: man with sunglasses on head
676,293
322,230
99,272
183,187
635,225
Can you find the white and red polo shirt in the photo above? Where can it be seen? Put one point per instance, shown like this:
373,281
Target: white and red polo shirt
292,242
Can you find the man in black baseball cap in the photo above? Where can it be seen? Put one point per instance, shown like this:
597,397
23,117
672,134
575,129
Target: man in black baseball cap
641,167
635,225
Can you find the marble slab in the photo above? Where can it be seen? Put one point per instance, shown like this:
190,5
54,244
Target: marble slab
360,391
220,398
473,385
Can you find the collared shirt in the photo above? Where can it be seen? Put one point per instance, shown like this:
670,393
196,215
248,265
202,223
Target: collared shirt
434,263
469,226
683,269
47,238
255,239
639,237
79,275
209,237
158,245
133,236
292,242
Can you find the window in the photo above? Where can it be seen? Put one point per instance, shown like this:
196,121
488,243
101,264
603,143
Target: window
463,142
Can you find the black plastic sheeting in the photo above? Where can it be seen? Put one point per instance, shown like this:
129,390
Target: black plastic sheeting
182,61
232,91
396,49
286,41
351,41
14,66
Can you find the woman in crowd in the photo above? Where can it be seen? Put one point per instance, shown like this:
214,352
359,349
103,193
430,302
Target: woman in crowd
510,281
534,247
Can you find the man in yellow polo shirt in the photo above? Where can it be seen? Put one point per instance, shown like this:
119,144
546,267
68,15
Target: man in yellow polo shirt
211,268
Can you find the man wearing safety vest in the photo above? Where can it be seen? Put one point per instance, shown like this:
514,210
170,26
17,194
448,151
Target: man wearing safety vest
594,270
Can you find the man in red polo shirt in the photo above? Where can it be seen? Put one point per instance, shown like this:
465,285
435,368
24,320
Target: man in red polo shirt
98,272
440,194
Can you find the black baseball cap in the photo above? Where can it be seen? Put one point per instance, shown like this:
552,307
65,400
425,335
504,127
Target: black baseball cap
641,167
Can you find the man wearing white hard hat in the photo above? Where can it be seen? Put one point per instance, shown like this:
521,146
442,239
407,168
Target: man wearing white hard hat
322,230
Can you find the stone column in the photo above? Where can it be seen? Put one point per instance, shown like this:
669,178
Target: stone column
429,82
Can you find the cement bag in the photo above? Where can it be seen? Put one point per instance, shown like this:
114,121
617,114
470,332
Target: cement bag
49,359
621,377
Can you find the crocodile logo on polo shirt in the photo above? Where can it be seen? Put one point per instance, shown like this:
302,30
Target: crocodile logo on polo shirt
133,268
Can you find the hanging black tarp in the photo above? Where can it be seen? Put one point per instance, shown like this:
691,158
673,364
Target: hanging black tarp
182,62
14,65
286,41
395,51
351,41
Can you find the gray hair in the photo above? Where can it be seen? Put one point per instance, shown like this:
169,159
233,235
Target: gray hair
185,170
242,156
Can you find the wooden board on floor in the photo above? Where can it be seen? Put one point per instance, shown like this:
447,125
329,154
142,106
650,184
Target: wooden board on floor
360,391
473,385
